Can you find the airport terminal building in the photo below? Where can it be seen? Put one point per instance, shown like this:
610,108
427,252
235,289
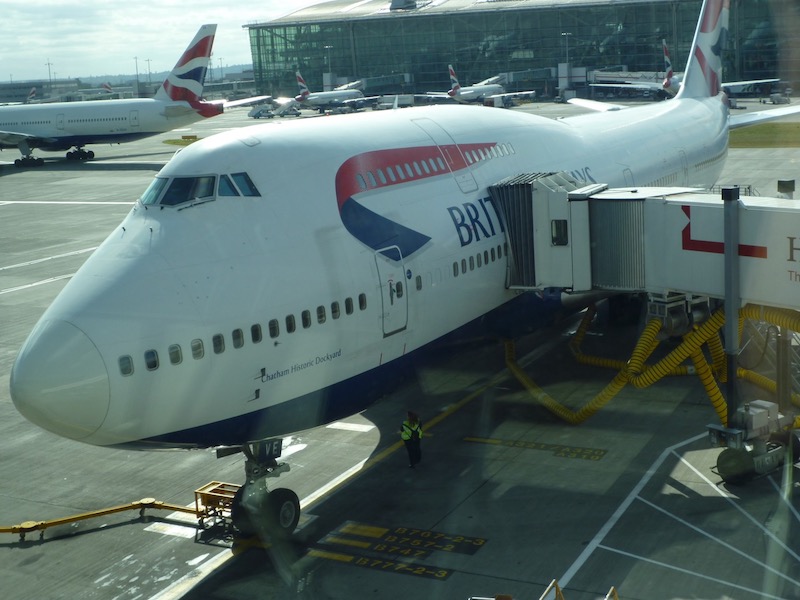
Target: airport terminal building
406,45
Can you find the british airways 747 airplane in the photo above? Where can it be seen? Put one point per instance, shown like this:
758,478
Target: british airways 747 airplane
275,278
65,125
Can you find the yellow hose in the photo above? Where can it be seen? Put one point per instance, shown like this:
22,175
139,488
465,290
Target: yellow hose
635,370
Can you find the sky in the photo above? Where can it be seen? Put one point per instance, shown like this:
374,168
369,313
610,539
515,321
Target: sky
92,38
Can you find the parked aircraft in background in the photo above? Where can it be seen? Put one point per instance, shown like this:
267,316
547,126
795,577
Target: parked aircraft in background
187,327
338,98
66,125
671,83
481,92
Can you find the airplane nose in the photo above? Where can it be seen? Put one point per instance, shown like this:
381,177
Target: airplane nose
60,382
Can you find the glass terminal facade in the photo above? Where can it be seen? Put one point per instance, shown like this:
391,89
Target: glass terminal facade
395,51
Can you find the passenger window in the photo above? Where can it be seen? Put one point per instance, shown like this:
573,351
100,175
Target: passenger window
226,187
463,265
433,164
455,269
391,174
321,316
175,354
480,260
237,335
274,328
197,349
255,333
416,168
409,172
335,310
493,257
486,256
381,177
218,342
419,282
371,179
400,173
126,365
348,306
245,184
398,289
305,316
425,168
151,360
361,183
290,324
362,301
471,263
441,163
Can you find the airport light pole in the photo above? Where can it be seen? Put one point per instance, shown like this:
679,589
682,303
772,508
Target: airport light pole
565,35
147,60
49,76
136,59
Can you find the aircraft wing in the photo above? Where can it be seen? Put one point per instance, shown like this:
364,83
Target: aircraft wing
246,101
531,93
762,116
595,105
12,138
631,85
740,84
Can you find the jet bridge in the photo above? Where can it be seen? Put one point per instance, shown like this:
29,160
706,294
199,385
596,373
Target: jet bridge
669,243
661,241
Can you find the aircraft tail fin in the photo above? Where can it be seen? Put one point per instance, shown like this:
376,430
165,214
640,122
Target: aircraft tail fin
454,85
668,72
301,83
703,75
185,81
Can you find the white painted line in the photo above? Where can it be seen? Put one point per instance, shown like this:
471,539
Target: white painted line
314,496
351,426
746,514
196,575
75,202
37,283
723,543
564,580
757,593
41,260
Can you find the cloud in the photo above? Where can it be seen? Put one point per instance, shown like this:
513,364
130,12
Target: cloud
98,37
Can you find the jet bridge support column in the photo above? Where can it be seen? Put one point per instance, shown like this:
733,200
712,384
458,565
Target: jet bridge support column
730,198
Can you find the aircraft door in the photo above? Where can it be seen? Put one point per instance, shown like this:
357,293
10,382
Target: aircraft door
60,121
394,292
133,119
450,152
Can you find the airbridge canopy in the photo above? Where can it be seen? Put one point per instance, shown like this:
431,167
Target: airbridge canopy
663,241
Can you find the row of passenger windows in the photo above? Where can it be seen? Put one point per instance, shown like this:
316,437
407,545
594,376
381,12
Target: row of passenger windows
496,151
17,123
401,172
237,337
177,190
97,120
480,259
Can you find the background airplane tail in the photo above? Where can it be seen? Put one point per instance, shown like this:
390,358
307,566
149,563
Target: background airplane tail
454,85
301,83
185,81
703,75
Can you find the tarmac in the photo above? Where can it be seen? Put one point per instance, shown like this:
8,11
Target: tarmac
507,497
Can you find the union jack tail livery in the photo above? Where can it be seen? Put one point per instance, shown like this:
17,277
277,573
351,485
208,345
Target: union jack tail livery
185,81
454,85
301,83
703,76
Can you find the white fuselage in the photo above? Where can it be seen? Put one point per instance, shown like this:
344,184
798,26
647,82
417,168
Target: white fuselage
331,98
63,125
342,218
477,93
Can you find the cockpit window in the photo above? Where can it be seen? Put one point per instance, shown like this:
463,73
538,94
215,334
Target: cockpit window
226,187
245,184
186,189
153,191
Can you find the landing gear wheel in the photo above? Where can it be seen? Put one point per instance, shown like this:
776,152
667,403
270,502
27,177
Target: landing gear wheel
284,507
735,466
255,511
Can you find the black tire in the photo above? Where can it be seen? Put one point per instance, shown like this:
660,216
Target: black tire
735,466
284,507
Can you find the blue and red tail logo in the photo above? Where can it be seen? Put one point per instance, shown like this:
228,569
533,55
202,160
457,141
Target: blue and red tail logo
185,82
362,177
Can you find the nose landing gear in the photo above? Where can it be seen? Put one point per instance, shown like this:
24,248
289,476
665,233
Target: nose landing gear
255,509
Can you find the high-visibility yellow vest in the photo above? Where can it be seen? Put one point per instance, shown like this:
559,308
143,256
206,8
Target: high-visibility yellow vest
408,428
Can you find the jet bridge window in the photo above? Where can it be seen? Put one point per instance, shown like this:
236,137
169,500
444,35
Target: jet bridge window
187,189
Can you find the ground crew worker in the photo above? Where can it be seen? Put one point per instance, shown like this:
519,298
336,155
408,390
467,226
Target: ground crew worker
411,434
